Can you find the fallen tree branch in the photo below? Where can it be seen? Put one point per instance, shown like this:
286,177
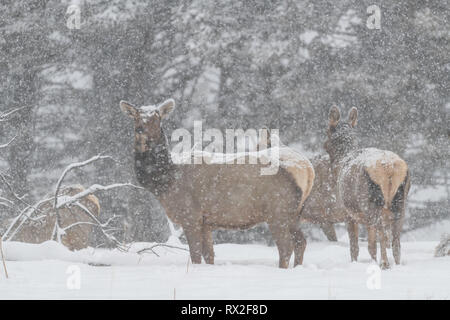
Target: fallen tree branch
109,237
160,245
23,216
67,200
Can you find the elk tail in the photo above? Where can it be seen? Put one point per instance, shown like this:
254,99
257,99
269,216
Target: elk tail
388,176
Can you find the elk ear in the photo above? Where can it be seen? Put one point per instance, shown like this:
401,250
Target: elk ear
333,116
166,108
129,109
353,117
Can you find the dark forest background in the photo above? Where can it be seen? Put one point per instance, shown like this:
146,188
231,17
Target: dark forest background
234,64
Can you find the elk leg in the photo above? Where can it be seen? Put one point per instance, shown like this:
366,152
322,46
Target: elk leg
283,239
372,241
396,230
352,228
328,229
383,247
399,209
299,245
207,245
388,238
194,239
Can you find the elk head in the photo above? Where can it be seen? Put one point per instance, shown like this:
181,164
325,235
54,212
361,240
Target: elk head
341,137
147,122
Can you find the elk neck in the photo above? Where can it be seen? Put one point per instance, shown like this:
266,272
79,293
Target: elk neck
341,145
154,168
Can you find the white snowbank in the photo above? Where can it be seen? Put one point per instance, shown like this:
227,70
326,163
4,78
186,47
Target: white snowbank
421,194
432,232
241,272
51,250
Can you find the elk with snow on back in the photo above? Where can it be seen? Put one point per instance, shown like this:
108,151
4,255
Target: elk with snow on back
372,186
203,197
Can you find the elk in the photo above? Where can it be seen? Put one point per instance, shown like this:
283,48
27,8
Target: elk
320,207
203,197
372,186
74,218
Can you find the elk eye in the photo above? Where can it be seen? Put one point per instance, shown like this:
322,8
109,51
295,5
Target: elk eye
139,130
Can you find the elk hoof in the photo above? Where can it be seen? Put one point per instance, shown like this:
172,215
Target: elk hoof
384,265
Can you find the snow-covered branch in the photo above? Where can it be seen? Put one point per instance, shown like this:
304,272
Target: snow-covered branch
71,198
73,166
62,201
18,198
159,245
102,226
24,215
4,116
8,143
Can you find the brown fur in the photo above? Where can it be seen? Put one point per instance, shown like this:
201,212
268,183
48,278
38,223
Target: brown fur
321,208
76,237
204,197
303,174
371,186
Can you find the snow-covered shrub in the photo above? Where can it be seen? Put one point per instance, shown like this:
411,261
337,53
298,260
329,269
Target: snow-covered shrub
443,248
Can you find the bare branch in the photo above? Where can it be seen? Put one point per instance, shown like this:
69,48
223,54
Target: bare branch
6,202
4,116
160,245
67,200
8,143
23,216
71,167
15,195
102,226
93,217
60,180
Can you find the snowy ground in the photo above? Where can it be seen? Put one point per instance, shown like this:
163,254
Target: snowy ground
241,272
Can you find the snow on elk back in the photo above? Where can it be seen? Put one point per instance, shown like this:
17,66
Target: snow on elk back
290,160
206,196
371,185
